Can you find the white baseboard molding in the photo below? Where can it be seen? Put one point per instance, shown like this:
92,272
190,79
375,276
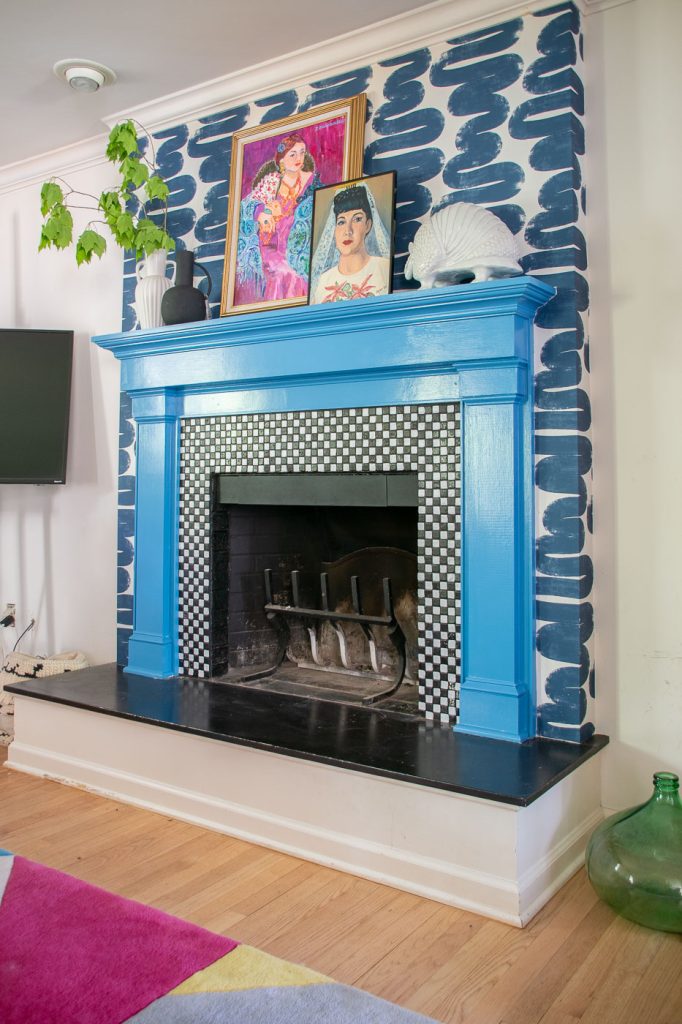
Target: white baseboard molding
482,856
545,878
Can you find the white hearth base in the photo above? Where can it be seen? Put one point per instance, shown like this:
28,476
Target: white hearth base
492,858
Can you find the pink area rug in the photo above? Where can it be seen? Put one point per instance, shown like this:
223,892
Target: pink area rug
74,954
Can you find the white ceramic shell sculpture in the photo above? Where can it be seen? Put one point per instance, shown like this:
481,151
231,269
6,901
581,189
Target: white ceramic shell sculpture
462,243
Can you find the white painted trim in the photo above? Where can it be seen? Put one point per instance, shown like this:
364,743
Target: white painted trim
565,858
66,160
318,844
597,6
486,857
424,26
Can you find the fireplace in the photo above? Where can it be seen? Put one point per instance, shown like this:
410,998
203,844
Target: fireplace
434,383
388,438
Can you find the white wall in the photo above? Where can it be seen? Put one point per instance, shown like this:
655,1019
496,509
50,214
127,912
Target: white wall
58,543
636,343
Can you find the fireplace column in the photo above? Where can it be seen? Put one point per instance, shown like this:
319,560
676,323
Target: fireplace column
496,692
153,644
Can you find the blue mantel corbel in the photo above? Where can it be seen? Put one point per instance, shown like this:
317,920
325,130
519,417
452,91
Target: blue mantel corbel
472,343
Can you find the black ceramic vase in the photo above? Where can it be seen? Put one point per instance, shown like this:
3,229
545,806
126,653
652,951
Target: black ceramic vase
183,303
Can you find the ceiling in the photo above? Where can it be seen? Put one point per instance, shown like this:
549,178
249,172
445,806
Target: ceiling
155,49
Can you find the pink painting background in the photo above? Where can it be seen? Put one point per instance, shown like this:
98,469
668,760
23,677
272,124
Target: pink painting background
324,141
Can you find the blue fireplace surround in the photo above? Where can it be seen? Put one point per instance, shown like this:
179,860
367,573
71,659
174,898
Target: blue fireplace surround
472,344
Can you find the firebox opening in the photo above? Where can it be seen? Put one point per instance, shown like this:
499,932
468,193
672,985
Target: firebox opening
329,541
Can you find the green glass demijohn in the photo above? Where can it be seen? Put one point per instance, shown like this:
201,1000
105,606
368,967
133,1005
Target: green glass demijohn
634,858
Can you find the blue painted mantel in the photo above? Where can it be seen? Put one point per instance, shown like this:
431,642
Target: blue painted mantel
472,344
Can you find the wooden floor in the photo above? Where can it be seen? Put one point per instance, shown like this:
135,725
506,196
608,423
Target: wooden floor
575,962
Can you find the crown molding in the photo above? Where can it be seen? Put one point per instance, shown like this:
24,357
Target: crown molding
597,6
65,160
422,27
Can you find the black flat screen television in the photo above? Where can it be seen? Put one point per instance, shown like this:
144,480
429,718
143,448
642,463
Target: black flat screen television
35,398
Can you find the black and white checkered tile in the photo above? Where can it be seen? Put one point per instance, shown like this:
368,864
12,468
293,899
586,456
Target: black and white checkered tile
415,438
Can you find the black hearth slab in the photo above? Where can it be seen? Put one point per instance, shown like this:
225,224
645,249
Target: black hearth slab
361,739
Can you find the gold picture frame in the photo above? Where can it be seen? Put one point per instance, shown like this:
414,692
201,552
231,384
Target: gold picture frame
275,170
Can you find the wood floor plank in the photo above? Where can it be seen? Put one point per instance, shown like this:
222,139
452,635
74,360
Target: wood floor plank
536,998
658,999
420,954
296,873
392,922
302,903
220,884
545,936
455,988
608,975
576,963
162,873
624,977
335,925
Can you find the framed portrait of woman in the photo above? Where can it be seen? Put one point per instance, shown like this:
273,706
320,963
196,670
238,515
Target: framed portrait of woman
275,171
352,240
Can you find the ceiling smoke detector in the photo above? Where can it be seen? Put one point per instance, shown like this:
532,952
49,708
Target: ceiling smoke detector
84,75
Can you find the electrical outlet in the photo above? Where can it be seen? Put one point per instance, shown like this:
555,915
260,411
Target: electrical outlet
9,616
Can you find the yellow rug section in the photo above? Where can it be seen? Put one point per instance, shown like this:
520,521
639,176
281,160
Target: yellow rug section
248,968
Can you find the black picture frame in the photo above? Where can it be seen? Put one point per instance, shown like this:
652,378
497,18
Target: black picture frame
329,280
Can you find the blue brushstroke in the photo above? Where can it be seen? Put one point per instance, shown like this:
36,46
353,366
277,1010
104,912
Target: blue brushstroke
555,86
561,715
170,157
282,104
478,77
126,428
565,5
554,232
337,87
128,297
126,490
122,638
560,403
170,144
558,550
405,124
212,143
125,551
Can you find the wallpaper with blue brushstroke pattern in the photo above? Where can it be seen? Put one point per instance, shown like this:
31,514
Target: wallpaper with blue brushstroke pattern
494,117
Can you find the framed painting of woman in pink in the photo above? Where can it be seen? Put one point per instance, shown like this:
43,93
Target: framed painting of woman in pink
275,170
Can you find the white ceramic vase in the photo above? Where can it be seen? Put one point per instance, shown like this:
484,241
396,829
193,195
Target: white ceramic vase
151,285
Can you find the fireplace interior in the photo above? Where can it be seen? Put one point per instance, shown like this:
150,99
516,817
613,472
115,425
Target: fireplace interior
314,585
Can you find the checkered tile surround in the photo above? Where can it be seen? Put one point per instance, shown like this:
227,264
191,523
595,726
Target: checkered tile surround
416,438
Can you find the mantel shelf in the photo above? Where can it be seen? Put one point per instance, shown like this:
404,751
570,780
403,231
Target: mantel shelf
466,341
519,296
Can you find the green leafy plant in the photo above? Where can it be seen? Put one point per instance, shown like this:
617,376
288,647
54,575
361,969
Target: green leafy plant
121,209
